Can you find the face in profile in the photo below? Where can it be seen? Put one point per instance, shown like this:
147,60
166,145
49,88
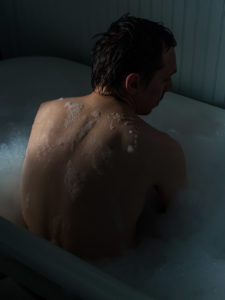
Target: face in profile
150,96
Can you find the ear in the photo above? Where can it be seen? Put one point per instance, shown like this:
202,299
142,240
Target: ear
132,83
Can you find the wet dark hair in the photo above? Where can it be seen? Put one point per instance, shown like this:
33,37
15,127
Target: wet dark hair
129,45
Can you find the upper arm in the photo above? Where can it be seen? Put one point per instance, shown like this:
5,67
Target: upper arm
173,175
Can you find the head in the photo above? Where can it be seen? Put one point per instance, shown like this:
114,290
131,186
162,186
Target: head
133,61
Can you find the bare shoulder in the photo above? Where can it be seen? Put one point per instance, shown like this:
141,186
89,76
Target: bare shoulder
56,102
163,152
44,106
169,150
154,137
50,107
171,173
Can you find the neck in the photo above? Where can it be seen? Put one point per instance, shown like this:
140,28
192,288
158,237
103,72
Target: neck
120,98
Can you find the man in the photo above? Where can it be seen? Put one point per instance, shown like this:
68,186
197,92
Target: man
91,161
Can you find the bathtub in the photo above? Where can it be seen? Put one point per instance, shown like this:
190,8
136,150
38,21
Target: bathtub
30,265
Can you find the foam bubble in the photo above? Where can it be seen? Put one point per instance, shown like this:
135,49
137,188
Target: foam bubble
101,158
96,114
111,126
116,116
130,149
12,156
74,110
73,180
84,131
187,260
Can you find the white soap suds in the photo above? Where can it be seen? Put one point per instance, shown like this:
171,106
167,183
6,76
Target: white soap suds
134,133
96,114
74,112
188,260
130,149
73,180
111,126
112,118
101,158
116,116
45,147
84,131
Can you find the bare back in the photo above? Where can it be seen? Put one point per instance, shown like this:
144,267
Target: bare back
86,176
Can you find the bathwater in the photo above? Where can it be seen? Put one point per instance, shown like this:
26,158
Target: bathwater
187,259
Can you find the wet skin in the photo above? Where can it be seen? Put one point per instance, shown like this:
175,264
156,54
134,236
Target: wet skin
90,165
